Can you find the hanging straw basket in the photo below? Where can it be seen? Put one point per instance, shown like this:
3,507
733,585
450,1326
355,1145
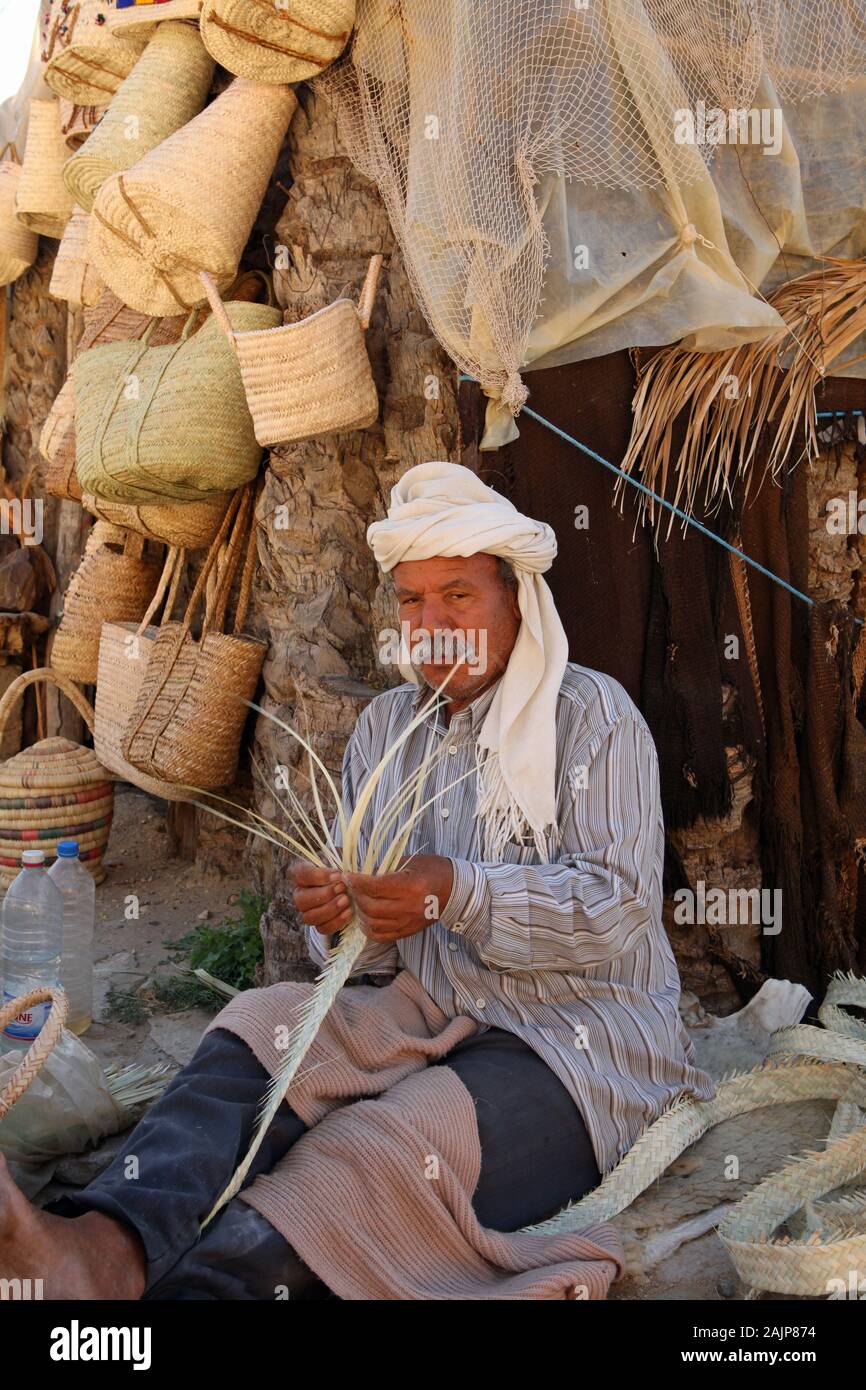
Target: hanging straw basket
87,62
277,43
18,245
73,277
308,378
167,87
57,446
43,1044
186,724
186,525
115,582
184,433
139,16
44,203
190,204
77,122
56,790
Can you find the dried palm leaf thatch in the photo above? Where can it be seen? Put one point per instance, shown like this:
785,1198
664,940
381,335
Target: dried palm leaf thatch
309,837
730,397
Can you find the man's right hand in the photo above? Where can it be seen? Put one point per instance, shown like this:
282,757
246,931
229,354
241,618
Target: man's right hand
320,898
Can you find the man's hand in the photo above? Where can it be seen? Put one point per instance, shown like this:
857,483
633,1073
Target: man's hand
390,906
320,897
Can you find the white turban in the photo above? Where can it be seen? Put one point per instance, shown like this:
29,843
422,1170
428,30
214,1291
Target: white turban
444,509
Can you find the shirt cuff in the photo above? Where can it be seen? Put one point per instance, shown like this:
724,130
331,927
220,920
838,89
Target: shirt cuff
467,912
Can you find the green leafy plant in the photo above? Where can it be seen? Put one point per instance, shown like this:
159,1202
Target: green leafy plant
231,950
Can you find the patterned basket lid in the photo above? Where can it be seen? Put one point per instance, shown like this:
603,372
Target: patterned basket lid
54,763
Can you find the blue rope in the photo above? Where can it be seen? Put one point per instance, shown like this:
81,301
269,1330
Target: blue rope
662,501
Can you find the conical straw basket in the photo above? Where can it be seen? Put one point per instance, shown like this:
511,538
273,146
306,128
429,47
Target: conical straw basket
44,203
74,278
308,378
167,87
270,43
18,245
88,62
190,204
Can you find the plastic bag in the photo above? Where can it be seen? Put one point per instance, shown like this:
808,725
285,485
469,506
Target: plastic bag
66,1108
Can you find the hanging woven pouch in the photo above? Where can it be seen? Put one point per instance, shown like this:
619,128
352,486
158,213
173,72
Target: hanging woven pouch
43,203
308,378
115,581
188,718
18,245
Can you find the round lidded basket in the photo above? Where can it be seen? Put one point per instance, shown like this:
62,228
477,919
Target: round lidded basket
55,790
308,378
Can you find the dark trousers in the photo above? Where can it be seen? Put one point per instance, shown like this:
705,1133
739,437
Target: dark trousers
536,1156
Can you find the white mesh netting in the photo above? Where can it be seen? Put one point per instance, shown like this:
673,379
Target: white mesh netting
460,109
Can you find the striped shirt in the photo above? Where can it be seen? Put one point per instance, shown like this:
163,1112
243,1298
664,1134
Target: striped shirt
570,955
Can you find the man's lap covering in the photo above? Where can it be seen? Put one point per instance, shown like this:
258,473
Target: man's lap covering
377,1196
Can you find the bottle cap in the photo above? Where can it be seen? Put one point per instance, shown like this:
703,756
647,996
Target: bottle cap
67,849
30,858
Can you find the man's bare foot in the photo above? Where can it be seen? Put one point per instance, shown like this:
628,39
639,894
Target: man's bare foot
92,1256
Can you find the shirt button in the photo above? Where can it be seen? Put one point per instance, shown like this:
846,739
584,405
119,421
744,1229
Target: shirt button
452,748
445,813
480,1003
452,945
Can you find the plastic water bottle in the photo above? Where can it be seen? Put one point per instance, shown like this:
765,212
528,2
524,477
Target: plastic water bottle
32,938
77,888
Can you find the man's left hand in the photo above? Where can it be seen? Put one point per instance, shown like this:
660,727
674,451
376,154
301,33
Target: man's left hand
391,906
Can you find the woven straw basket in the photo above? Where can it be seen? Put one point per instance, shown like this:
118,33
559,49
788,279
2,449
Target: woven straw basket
184,432
166,88
187,525
73,277
133,16
312,377
77,122
87,62
285,43
186,722
43,1044
56,790
18,245
115,582
44,203
57,446
189,205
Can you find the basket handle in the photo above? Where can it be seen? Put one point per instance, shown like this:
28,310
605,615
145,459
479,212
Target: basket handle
13,694
368,293
219,309
10,145
43,1044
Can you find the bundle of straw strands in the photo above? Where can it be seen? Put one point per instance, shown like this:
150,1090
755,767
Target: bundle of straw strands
730,397
310,839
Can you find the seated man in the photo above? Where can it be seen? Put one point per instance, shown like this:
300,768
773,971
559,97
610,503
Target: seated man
530,901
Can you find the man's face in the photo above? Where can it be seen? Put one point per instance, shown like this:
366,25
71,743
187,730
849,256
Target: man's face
458,608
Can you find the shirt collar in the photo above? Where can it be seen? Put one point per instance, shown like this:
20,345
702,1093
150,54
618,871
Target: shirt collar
471,717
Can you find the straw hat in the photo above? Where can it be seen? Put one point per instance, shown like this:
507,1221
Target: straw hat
166,88
190,204
135,15
18,246
277,43
93,62
73,277
43,203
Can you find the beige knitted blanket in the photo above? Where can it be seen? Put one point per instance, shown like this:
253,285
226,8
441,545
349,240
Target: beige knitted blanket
377,1197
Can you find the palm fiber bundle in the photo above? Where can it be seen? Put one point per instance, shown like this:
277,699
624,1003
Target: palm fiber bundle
729,397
